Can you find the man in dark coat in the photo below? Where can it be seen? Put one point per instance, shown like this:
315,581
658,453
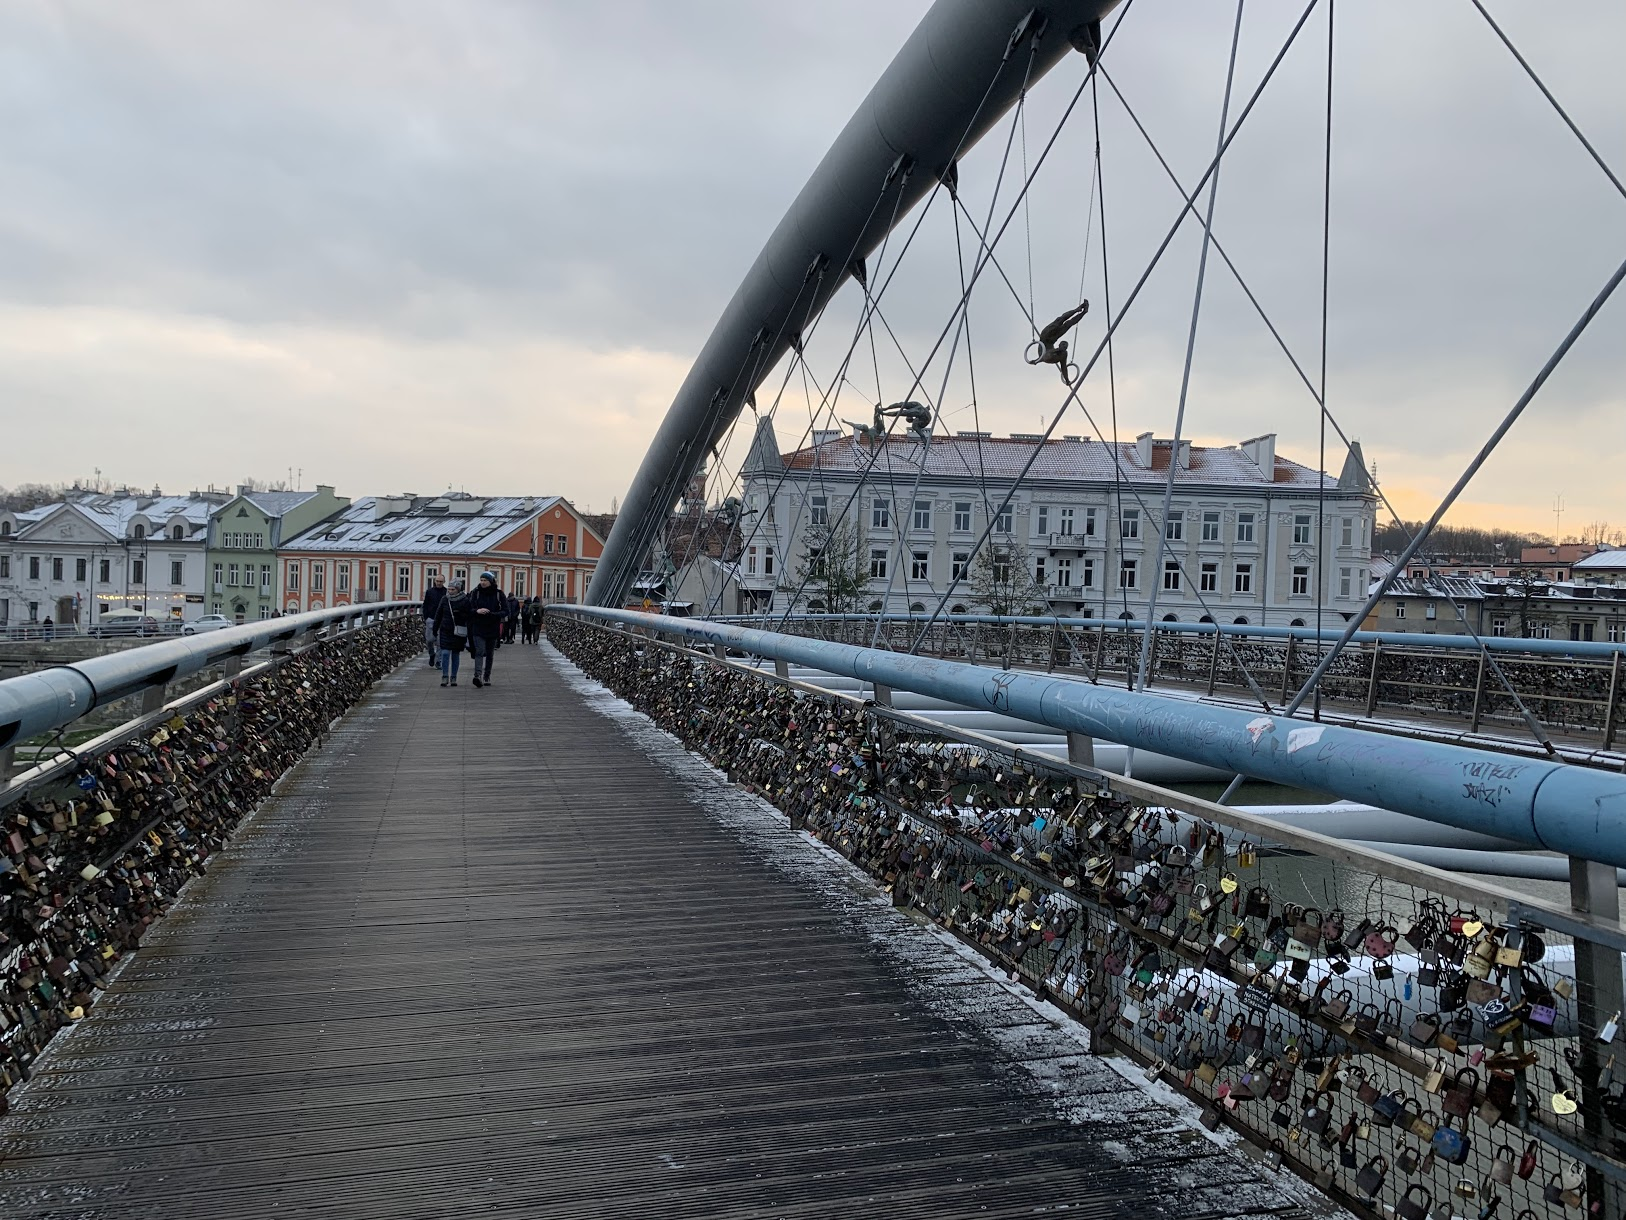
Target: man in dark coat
511,623
433,596
488,608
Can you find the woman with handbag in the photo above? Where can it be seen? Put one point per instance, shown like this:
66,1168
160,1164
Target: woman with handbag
451,631
487,611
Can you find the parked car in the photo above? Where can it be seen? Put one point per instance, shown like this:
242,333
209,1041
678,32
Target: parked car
127,622
206,622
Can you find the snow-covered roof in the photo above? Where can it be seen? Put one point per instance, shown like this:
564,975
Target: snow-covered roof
448,525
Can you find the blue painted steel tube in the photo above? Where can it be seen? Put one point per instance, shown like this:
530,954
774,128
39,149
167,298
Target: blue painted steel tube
1565,648
1574,810
54,698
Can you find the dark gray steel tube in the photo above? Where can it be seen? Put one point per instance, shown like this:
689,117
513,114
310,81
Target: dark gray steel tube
946,88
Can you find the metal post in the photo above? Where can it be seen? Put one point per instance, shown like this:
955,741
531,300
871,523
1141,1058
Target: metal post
883,695
1081,753
781,667
1055,639
976,641
1598,997
1155,637
1610,720
1479,695
153,698
1100,651
1010,643
1287,666
8,757
720,651
1372,679
1213,660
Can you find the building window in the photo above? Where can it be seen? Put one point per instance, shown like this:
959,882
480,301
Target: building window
265,611
81,569
341,578
564,545
5,566
293,578
1244,578
958,564
1211,527
1171,574
1002,567
923,514
178,534
767,561
547,544
1617,632
33,567
1039,572
373,575
819,514
1244,527
1346,582
56,569
1129,526
1174,529
231,576
104,571
33,612
962,516
1002,520
403,578
1541,631
750,561
1064,573
820,566
1301,582
1499,627
1086,575
1127,574
138,571
1089,523
1208,578
877,565
1301,528
1066,516
177,571
1400,609
217,607
318,576
1429,612
880,513
139,532
1041,519
519,584
265,578
1346,536
920,565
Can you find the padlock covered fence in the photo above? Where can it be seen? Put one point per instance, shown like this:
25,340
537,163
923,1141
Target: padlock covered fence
97,841
1576,690
1414,1041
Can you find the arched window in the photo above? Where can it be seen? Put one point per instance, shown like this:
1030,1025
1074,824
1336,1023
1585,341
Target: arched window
956,609
1241,620
875,606
1126,616
1205,619
178,533
815,607
5,529
1171,618
917,608
139,532
1298,622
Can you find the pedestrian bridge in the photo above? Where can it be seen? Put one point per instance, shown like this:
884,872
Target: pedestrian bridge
511,951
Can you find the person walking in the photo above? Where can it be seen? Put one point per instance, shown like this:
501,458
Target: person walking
487,610
532,620
451,627
511,623
433,596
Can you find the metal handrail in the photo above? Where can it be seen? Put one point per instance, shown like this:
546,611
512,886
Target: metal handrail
55,697
1577,811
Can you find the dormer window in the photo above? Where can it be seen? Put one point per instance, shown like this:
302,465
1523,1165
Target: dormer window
139,532
178,533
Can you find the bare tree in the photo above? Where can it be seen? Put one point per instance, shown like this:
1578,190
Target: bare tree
1001,578
831,570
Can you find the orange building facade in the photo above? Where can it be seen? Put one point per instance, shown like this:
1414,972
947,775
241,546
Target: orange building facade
390,548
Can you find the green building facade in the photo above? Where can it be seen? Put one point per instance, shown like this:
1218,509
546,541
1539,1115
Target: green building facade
241,569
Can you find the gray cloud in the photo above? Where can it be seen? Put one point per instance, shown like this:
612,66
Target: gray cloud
391,198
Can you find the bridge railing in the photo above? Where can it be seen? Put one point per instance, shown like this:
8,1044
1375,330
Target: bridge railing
1574,688
1390,1031
96,840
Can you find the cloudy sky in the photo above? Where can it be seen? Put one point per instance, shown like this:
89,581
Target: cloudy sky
475,243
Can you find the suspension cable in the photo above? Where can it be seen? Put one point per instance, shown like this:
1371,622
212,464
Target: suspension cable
1162,526
1321,537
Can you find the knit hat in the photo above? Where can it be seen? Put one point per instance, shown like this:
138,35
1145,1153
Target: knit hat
458,584
491,576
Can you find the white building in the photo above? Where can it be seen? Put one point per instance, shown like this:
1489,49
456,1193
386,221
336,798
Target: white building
1242,541
73,561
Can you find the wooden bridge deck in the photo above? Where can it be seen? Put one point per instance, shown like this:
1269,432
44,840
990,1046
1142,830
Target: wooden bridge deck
484,955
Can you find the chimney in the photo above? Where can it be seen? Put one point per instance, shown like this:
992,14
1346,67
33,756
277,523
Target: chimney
1143,450
1261,451
321,487
1185,455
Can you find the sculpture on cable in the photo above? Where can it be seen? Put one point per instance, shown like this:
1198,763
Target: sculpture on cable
1051,348
916,416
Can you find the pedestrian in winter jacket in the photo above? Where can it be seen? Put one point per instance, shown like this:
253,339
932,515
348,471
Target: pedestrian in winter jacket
433,596
451,617
488,609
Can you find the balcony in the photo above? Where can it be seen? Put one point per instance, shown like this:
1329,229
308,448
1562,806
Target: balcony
1069,593
1070,542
